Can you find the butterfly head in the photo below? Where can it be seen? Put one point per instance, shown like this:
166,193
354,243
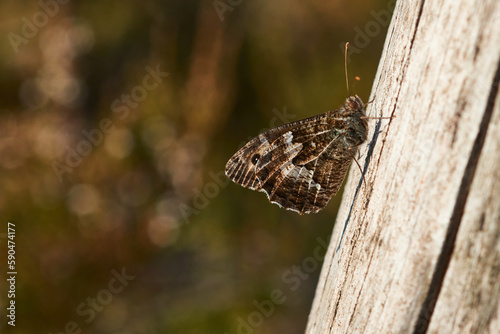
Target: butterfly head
354,104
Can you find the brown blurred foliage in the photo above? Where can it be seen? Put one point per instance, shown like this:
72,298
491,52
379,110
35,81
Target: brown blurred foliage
116,120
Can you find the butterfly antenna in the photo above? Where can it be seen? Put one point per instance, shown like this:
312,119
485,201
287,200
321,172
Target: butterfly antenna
356,80
345,67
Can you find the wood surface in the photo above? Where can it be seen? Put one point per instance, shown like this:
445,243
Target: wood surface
417,250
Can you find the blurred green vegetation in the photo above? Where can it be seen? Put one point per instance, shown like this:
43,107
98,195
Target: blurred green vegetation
97,182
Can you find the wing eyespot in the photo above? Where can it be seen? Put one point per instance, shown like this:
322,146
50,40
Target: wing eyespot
255,158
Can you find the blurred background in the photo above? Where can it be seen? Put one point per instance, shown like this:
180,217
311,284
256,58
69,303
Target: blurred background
116,122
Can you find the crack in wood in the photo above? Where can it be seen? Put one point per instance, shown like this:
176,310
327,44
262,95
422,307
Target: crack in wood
425,315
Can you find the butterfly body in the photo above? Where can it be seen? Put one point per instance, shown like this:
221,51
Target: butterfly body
302,164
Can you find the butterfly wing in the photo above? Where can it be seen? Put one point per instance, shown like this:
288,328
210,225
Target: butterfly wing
299,165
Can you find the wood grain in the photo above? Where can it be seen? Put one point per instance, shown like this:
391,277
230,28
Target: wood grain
418,249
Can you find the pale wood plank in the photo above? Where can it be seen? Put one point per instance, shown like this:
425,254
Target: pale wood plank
412,236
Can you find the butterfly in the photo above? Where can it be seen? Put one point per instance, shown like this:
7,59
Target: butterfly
302,164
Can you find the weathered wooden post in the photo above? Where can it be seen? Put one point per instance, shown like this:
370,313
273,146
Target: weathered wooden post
417,250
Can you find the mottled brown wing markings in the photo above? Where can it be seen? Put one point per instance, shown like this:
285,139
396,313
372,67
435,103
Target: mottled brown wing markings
290,161
322,177
284,146
288,169
295,195
314,187
290,152
333,184
300,165
264,145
